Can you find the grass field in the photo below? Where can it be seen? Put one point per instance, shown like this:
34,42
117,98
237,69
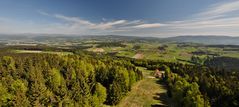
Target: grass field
146,93
232,54
47,52
173,52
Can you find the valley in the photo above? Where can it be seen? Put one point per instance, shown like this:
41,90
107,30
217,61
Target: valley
121,72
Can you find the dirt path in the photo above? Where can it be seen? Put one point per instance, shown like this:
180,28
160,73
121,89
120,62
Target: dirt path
146,93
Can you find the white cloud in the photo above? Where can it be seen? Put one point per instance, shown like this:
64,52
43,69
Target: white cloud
74,20
43,13
218,19
221,9
105,26
153,25
108,25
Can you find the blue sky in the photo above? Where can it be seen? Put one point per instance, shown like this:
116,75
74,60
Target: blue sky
159,18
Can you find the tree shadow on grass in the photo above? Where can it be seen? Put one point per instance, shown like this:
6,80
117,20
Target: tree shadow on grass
161,82
158,105
162,97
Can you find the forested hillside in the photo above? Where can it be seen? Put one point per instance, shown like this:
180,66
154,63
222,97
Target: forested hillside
197,86
56,80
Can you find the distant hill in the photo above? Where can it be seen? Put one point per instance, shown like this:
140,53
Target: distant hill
210,40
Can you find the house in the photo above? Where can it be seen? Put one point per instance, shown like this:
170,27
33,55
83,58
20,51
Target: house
159,74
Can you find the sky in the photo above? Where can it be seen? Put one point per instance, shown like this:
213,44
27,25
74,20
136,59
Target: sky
154,18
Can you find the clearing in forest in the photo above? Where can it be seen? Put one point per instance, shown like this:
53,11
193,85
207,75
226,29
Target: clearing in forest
138,56
146,93
96,50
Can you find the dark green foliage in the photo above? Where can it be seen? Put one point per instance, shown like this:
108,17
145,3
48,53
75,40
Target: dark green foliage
190,85
226,63
110,44
197,60
100,95
136,47
54,80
